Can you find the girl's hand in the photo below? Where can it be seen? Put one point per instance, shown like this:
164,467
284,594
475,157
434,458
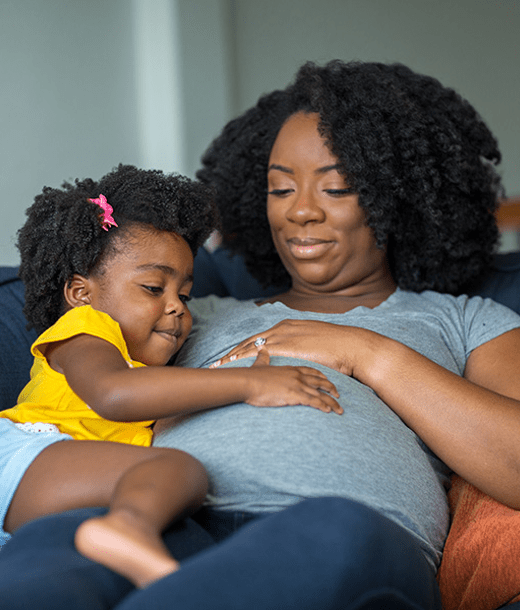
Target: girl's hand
306,339
280,386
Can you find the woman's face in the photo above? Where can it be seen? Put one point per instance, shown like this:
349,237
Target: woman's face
317,225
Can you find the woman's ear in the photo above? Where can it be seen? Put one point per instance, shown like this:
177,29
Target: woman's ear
77,291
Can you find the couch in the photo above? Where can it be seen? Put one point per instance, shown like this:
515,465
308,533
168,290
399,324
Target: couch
479,570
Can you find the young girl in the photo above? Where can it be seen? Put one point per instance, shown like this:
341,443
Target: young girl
108,270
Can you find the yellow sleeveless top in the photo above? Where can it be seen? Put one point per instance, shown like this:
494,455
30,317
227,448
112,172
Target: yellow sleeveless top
48,398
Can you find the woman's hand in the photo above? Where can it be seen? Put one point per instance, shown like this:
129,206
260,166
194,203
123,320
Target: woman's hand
471,423
320,342
280,386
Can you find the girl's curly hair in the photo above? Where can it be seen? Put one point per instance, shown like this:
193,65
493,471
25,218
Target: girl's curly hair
63,234
419,156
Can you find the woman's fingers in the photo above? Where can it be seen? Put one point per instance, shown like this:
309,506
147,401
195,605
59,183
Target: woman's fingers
242,351
251,350
246,349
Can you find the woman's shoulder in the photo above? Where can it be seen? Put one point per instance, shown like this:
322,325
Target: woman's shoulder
463,302
469,311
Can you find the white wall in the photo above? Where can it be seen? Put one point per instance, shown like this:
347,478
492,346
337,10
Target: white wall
157,63
470,45
67,99
87,84
206,36
84,85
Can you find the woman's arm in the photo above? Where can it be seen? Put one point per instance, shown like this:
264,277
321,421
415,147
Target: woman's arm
98,374
472,423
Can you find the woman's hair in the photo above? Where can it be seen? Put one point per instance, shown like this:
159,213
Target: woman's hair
419,156
63,234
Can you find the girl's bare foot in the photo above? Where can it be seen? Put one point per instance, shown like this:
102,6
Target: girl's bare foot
122,543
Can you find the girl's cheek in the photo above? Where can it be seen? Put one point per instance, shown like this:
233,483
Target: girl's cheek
155,309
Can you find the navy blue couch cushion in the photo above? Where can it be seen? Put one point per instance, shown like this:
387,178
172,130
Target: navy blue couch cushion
215,273
503,283
225,275
15,339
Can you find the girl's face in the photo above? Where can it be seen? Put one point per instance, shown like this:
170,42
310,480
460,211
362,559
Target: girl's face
317,225
144,286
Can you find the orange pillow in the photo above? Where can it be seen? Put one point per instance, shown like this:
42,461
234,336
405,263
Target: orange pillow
480,568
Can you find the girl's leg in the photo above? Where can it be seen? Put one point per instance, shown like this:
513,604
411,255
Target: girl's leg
144,487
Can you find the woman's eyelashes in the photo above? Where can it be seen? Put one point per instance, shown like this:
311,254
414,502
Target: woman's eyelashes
279,192
341,192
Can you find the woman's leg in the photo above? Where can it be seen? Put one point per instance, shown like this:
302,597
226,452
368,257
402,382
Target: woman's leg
323,554
145,489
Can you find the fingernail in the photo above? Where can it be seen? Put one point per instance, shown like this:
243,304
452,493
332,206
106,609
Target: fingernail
233,357
215,364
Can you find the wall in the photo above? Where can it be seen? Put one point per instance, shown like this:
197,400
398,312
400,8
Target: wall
471,45
206,37
67,99
86,85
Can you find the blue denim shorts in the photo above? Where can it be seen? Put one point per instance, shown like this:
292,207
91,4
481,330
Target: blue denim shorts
18,449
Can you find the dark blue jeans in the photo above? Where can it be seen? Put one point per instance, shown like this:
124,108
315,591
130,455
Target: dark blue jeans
322,554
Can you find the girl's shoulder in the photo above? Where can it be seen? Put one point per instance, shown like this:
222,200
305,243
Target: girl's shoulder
82,320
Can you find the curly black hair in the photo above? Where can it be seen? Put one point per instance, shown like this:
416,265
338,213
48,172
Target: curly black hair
419,156
63,234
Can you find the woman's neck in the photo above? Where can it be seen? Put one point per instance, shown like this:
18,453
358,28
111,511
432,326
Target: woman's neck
333,302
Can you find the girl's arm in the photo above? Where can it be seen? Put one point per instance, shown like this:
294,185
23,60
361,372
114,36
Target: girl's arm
472,423
98,374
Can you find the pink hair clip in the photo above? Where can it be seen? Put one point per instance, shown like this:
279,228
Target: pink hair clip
107,220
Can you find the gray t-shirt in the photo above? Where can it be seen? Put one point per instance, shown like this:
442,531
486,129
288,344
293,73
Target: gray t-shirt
265,459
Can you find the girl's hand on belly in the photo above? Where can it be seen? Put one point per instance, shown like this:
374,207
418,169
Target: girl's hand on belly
281,386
